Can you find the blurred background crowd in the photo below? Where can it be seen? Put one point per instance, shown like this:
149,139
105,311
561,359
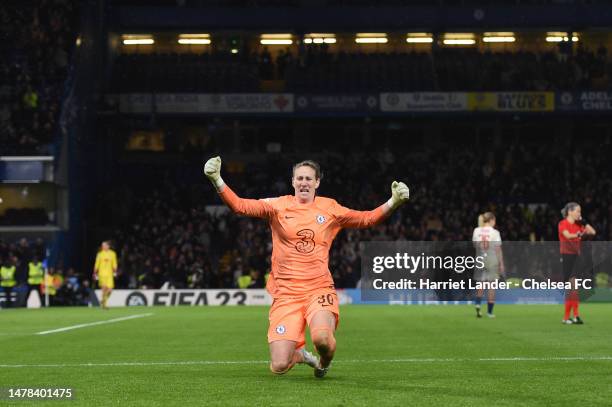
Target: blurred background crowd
37,37
318,70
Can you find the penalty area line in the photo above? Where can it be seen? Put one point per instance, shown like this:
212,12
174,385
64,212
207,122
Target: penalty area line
108,321
350,361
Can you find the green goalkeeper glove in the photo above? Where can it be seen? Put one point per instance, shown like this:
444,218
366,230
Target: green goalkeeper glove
212,169
399,195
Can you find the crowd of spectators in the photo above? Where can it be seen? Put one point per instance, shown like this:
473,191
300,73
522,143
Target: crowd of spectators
489,71
21,252
318,70
321,71
62,287
173,232
37,38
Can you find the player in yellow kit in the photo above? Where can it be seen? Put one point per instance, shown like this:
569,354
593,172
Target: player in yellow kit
303,227
105,271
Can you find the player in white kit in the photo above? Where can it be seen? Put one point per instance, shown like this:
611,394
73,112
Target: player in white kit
487,241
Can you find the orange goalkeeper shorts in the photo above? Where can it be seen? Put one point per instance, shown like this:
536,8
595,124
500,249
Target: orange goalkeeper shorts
289,316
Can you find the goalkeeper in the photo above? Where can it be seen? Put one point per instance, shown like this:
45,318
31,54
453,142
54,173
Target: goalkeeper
303,228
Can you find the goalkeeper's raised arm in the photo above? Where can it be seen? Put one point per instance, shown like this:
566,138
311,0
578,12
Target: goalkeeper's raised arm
258,208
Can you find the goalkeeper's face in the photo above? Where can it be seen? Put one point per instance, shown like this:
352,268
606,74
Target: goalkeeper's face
305,183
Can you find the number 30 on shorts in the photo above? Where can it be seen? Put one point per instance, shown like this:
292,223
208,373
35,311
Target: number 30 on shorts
326,300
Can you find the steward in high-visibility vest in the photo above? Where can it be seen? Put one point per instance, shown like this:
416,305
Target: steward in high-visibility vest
7,282
7,276
35,273
244,281
35,278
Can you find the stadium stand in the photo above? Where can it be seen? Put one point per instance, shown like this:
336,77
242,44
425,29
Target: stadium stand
318,70
37,39
214,72
22,249
472,70
345,72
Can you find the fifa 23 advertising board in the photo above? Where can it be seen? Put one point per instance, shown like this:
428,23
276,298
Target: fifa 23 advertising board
169,297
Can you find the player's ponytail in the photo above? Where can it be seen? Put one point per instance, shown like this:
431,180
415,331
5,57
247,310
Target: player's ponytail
488,217
570,206
485,218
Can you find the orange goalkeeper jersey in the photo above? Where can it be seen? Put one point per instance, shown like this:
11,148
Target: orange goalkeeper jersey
302,235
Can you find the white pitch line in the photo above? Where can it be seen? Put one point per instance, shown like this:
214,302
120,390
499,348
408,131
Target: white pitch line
115,364
258,362
108,321
560,358
498,359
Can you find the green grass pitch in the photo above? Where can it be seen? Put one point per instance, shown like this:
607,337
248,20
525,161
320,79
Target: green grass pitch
387,355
